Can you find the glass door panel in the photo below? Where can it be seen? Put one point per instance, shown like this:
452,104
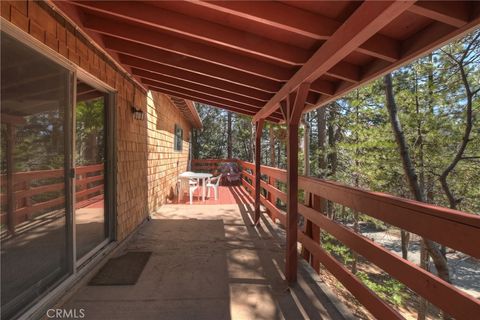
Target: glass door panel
36,249
90,146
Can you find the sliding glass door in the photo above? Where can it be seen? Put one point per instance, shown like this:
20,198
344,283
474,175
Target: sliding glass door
55,179
36,103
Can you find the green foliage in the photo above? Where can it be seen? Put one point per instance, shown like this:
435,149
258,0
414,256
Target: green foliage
90,131
336,248
385,287
388,289
210,142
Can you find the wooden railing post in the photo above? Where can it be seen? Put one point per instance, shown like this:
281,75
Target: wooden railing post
258,174
319,204
293,112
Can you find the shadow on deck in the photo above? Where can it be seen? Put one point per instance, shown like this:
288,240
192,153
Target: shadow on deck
209,262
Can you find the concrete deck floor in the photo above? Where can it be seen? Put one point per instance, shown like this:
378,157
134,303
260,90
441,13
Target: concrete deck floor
209,263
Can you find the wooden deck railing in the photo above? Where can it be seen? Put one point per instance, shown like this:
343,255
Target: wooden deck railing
89,182
455,229
209,165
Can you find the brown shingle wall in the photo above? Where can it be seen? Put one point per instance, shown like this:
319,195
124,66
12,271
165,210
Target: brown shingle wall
147,165
164,164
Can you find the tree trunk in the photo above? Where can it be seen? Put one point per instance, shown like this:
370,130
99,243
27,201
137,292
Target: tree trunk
195,148
423,303
411,175
252,143
321,128
306,145
405,238
229,135
356,180
306,153
332,153
271,140
452,200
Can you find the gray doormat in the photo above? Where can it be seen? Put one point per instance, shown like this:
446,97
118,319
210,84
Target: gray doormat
121,271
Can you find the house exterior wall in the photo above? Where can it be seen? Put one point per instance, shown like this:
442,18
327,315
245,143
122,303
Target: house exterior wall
146,162
164,164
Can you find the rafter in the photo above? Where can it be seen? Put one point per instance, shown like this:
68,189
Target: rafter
454,13
162,79
188,48
202,95
190,64
199,29
324,87
137,63
301,22
345,71
366,21
434,36
212,102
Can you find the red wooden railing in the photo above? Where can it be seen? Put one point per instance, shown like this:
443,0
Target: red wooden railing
455,229
209,165
89,184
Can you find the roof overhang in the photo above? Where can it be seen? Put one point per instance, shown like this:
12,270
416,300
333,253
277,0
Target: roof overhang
188,110
248,57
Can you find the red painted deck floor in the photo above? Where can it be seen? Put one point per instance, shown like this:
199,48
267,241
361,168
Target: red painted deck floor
226,195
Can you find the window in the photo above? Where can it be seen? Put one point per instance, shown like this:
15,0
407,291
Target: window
178,140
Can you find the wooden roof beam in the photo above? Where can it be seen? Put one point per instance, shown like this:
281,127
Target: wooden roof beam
190,64
157,68
345,71
366,21
193,27
277,15
201,95
433,36
161,79
188,48
301,22
312,97
323,87
454,13
212,102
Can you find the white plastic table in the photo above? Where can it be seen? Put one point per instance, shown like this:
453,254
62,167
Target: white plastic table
197,176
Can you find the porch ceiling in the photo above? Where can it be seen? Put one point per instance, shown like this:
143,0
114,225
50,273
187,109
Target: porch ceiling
248,57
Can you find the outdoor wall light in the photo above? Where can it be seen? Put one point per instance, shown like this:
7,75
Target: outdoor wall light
138,114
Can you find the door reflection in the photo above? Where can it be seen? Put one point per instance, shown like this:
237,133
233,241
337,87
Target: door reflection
90,217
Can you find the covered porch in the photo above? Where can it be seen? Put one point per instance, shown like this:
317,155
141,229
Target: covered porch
209,261
257,252
222,259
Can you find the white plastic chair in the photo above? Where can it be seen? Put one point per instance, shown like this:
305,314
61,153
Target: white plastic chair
187,184
213,183
192,186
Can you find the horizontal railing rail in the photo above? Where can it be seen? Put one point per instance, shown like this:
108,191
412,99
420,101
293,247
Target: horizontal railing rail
455,229
210,165
88,182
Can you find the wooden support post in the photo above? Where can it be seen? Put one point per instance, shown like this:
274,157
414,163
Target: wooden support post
11,201
294,112
258,150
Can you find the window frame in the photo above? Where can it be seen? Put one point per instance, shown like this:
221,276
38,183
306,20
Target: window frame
177,139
